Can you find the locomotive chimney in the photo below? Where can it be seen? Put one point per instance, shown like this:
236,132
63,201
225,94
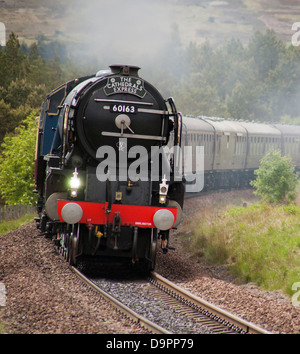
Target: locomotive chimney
125,69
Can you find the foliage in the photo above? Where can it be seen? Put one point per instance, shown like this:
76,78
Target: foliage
286,119
17,163
276,179
257,81
25,80
260,243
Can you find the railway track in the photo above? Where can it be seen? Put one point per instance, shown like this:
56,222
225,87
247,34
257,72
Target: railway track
161,307
127,311
217,319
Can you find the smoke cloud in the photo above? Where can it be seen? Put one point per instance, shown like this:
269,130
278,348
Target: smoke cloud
118,31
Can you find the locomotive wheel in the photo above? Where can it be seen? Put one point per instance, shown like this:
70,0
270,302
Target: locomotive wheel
63,245
68,247
73,245
73,250
153,250
148,263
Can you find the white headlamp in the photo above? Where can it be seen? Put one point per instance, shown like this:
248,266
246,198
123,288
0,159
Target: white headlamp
74,183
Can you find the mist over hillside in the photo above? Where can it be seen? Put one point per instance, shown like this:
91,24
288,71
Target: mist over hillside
144,23
207,54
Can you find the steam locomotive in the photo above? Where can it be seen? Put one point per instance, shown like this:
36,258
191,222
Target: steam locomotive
106,187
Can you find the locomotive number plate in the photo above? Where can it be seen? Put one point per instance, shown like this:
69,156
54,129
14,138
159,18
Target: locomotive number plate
123,108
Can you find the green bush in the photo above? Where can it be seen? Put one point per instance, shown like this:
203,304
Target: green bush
276,180
17,164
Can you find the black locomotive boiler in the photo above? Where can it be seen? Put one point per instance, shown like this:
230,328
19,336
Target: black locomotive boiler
106,188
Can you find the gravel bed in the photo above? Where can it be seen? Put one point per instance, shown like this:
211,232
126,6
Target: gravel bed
142,298
43,295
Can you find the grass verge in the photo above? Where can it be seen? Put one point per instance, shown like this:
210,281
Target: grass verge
7,226
260,243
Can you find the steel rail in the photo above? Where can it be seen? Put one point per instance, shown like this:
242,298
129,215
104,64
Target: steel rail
192,300
135,317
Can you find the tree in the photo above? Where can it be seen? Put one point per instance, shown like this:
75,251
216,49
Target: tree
11,118
17,163
276,179
12,61
265,49
25,80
